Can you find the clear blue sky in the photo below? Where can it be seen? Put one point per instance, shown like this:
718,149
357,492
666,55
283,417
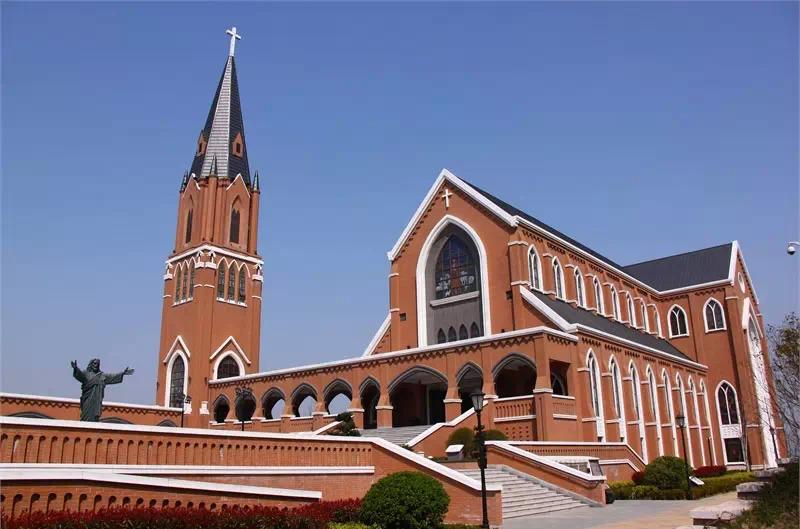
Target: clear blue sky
641,129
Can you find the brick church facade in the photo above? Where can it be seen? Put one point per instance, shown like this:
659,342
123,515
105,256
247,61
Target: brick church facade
571,348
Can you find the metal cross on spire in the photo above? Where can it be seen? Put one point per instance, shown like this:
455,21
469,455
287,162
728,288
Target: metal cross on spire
234,37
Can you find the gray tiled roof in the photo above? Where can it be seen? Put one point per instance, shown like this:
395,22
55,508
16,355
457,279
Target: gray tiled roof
224,122
613,327
666,273
690,268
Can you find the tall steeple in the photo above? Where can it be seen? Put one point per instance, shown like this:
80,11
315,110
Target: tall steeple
222,137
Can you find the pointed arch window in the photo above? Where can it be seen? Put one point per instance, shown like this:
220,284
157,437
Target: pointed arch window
594,380
221,280
580,295
178,277
631,312
535,269
557,384
451,335
615,303
645,319
188,236
636,393
184,284
651,379
667,396
231,283
728,405
441,337
191,279
227,368
234,226
598,296
462,332
177,377
616,383
241,298
558,279
714,318
474,330
677,322
658,322
455,270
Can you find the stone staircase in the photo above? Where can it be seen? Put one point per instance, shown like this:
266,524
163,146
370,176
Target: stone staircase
524,495
398,436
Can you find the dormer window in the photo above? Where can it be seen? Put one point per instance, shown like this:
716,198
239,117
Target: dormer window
237,145
677,322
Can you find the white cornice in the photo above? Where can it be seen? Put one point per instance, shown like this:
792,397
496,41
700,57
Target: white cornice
230,339
184,348
216,250
77,401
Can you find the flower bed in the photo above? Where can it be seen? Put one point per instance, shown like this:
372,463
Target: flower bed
312,516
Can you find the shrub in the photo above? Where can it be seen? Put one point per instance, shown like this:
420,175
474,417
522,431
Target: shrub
494,435
638,477
463,436
665,472
720,484
346,427
710,471
311,516
776,506
642,492
405,500
350,525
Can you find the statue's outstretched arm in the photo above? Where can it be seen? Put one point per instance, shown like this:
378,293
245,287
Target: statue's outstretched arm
78,373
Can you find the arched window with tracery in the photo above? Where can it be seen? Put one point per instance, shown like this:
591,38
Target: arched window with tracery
580,296
730,425
241,298
184,285
558,279
191,280
654,408
221,280
619,402
598,296
231,283
178,277
645,319
455,270
235,221
677,322
177,377
228,368
596,395
535,267
714,318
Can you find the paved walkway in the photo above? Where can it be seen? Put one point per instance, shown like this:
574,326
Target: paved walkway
625,514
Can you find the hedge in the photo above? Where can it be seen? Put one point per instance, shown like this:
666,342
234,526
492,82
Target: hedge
627,490
311,516
710,471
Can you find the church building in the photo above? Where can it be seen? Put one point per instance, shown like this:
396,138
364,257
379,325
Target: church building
577,355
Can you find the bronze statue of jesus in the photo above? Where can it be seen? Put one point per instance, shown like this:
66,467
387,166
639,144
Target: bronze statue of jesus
93,387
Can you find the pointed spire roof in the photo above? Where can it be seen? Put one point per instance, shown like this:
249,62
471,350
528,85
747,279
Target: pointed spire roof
221,143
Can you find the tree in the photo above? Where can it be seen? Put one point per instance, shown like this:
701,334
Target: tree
784,345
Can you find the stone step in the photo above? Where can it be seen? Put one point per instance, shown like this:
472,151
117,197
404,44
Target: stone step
517,502
542,504
399,436
725,511
545,510
749,490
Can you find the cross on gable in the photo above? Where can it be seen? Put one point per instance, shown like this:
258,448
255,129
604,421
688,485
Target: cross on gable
446,196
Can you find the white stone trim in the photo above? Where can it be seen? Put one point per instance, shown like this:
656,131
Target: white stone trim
422,260
231,339
377,336
177,353
193,469
405,352
422,435
184,348
564,469
222,357
77,401
542,307
446,175
216,250
515,418
127,479
454,299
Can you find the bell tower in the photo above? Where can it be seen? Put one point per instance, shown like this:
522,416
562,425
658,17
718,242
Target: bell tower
211,313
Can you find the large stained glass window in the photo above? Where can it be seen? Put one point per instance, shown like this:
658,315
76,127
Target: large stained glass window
455,270
176,380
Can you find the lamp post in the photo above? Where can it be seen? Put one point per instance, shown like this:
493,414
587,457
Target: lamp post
791,247
477,404
681,420
186,400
